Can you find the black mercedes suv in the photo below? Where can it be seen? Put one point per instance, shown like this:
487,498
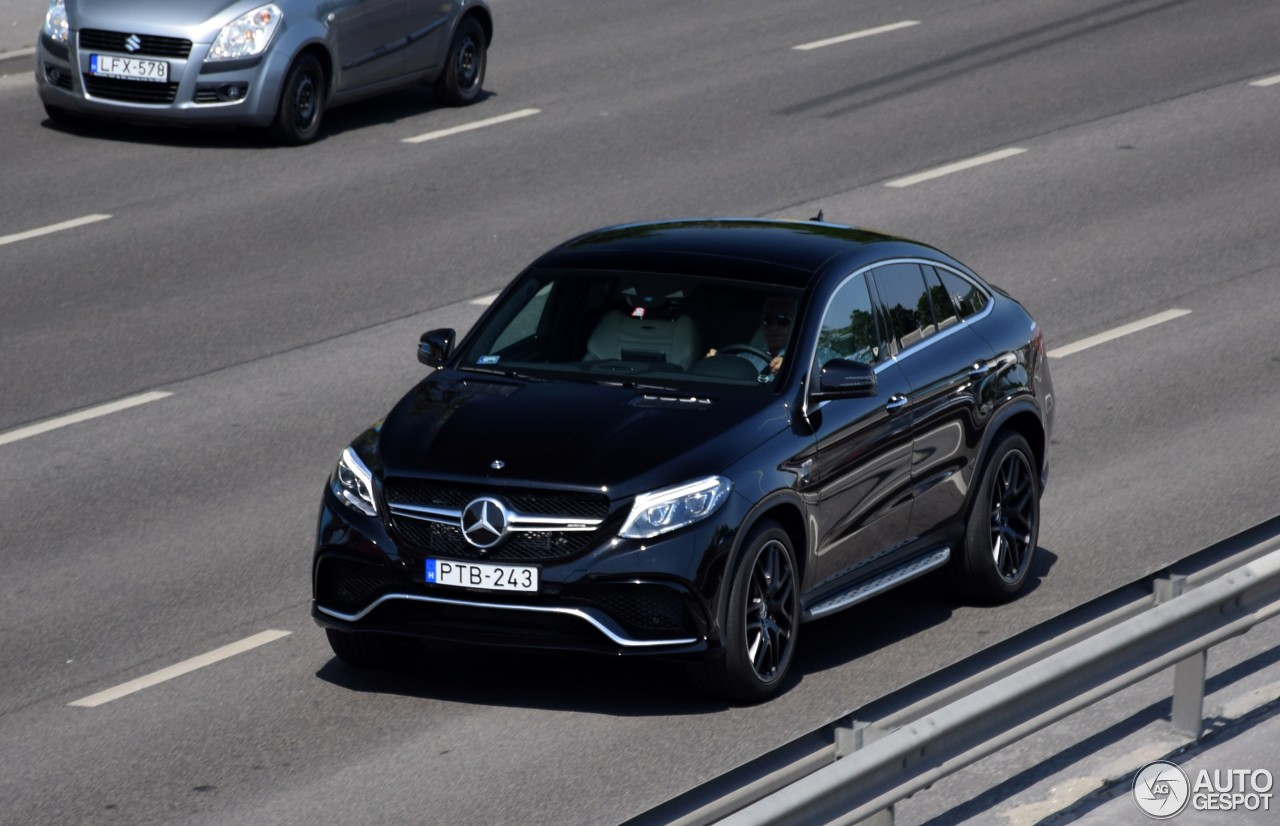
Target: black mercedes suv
686,439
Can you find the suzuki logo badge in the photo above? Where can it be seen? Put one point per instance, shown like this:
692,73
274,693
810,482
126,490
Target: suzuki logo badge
133,43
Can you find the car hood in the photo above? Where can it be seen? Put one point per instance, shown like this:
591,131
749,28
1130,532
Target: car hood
457,427
188,18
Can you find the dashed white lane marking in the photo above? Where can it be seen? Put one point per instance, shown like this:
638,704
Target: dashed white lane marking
958,166
81,416
1266,81
484,300
184,667
52,228
467,127
858,35
1110,335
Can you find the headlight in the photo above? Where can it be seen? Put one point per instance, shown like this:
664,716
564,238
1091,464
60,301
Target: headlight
670,508
248,35
353,483
55,21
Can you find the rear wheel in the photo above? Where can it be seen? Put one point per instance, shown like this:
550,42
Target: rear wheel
760,630
1003,526
301,102
463,75
376,651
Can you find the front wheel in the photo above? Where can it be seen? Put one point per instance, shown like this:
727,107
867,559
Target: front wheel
1003,526
463,75
760,629
301,103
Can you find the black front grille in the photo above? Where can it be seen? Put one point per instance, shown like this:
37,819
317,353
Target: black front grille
421,538
152,45
133,91
424,539
530,503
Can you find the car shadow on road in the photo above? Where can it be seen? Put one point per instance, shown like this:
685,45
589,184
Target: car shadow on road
390,108
642,686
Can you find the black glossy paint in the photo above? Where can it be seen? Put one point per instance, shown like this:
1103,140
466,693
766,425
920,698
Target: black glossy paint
862,484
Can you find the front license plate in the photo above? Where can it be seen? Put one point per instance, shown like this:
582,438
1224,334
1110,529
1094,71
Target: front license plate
482,575
128,68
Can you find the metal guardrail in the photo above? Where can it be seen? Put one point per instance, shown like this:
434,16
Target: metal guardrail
863,762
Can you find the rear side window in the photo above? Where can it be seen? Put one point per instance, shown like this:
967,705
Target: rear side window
944,309
906,303
968,298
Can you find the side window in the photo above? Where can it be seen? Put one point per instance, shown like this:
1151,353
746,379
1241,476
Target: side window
902,290
849,328
966,295
944,309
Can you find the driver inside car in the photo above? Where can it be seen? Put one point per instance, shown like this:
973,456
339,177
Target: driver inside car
775,327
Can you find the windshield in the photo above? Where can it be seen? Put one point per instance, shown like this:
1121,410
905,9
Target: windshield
684,333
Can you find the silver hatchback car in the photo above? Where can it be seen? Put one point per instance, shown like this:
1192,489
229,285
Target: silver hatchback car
277,65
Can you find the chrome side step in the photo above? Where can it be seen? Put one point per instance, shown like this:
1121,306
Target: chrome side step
881,583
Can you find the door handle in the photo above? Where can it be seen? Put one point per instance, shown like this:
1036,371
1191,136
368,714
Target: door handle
984,368
896,403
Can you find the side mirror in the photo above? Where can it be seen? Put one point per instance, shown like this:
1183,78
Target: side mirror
434,346
842,379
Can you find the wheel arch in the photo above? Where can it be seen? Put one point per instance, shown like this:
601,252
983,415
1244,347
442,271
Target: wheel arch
787,511
1024,419
484,18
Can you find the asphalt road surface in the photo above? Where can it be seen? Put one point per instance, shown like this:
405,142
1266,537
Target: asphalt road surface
1122,167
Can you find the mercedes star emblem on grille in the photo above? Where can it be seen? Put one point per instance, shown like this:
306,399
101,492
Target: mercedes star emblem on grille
133,43
484,522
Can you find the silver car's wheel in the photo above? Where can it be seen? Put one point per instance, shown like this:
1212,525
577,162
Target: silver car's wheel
301,102
463,75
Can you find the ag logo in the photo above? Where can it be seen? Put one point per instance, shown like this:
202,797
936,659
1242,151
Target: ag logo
1161,790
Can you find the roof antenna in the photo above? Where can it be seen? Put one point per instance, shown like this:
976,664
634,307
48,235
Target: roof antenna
817,217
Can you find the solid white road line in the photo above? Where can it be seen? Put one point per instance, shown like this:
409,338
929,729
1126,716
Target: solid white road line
1110,335
81,416
52,228
845,38
958,166
1266,81
467,127
484,300
184,667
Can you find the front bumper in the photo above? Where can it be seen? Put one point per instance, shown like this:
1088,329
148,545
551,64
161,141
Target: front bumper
244,93
616,597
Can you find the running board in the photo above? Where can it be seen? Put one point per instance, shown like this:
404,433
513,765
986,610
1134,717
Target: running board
889,579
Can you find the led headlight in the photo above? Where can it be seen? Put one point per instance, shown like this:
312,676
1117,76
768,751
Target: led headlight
55,21
248,35
665,510
353,483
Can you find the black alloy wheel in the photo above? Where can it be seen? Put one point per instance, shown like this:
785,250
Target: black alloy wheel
463,75
763,617
1004,524
301,102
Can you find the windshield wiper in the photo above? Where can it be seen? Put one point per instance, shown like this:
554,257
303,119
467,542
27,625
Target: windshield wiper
494,371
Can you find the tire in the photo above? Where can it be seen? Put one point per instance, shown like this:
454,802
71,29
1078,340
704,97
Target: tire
301,103
463,76
1003,525
760,629
375,651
